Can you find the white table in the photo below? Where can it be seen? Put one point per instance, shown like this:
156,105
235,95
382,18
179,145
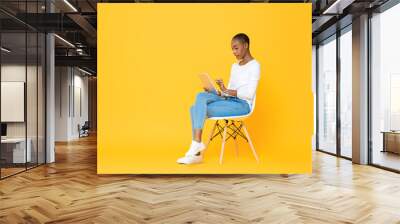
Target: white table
19,149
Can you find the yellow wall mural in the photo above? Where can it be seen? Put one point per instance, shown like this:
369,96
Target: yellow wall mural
149,58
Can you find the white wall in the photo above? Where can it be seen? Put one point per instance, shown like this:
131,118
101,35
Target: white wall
80,83
15,72
62,81
71,87
33,127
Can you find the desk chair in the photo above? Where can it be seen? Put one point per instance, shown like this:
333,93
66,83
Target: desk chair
235,125
84,129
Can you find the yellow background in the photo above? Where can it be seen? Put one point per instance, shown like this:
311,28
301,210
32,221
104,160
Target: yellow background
149,56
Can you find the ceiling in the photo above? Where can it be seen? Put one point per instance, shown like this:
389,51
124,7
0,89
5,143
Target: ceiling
76,22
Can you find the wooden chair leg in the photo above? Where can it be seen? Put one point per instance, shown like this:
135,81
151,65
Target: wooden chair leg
223,144
250,142
211,134
236,146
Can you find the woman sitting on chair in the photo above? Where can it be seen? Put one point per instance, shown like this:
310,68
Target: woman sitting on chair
233,101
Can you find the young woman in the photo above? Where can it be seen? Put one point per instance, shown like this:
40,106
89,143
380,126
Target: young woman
240,93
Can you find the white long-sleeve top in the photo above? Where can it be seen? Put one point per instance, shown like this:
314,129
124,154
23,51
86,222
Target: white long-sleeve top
244,79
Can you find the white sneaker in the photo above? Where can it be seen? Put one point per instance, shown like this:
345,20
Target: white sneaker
193,155
190,159
195,148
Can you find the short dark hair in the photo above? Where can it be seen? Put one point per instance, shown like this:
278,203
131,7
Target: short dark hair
242,38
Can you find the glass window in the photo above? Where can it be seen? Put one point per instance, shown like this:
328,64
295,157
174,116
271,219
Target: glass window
385,88
327,95
22,91
346,93
31,100
14,150
41,98
314,90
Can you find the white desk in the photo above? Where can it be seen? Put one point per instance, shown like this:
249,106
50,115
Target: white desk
19,149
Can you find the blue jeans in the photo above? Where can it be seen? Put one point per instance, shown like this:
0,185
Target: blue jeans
212,105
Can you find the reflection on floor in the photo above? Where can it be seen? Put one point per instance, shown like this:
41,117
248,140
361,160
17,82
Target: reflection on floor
386,159
10,169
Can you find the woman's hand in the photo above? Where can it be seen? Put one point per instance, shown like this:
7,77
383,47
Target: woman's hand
207,90
229,92
221,85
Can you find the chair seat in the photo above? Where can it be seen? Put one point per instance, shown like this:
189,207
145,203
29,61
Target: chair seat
240,117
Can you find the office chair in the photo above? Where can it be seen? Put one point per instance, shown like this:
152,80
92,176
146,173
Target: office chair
235,125
84,130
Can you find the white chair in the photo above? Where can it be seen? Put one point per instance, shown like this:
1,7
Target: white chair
234,124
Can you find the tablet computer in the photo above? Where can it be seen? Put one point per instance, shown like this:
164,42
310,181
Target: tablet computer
207,82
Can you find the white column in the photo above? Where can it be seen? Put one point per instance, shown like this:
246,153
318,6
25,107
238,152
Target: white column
50,92
360,90
50,100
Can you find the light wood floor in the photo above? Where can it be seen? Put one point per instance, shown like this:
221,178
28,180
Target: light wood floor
70,191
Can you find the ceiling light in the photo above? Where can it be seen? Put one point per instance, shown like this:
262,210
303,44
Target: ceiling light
84,71
64,40
5,50
338,6
70,5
